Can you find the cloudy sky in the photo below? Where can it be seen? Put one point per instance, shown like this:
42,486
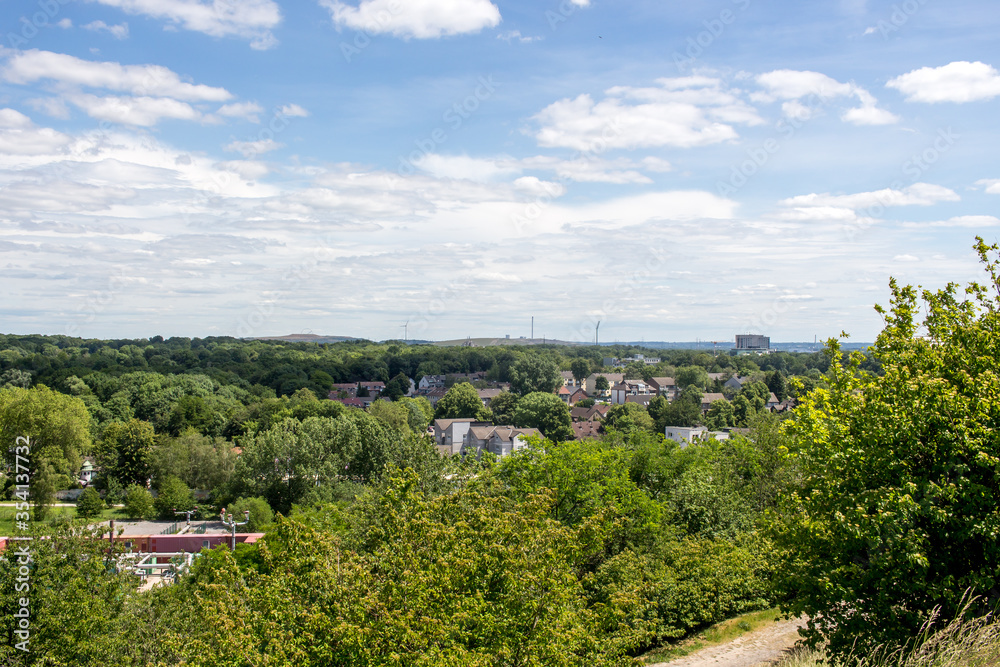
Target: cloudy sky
675,170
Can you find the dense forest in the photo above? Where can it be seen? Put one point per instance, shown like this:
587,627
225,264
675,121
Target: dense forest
868,508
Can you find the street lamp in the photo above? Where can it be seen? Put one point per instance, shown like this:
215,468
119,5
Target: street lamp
231,522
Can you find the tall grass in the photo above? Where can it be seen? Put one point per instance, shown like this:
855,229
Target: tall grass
964,642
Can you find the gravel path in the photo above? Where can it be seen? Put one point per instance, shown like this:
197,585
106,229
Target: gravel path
760,647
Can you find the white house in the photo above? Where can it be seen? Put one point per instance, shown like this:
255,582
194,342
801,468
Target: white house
498,440
692,435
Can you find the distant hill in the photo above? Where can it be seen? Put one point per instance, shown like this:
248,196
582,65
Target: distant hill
309,338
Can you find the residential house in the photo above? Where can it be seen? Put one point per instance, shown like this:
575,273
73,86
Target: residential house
487,395
373,387
709,398
593,413
641,399
612,378
692,435
435,395
628,388
586,430
736,382
429,382
345,390
578,395
613,362
498,440
449,434
665,387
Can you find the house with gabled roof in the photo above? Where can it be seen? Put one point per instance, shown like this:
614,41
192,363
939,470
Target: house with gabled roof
498,440
612,378
449,434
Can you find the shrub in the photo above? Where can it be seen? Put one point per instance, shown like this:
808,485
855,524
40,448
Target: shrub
89,505
138,502
261,514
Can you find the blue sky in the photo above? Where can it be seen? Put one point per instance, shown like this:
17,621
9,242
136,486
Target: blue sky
673,170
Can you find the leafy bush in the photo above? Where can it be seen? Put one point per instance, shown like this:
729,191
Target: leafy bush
90,504
261,514
138,502
173,495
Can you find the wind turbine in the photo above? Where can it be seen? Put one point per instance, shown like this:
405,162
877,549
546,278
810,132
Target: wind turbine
597,333
405,330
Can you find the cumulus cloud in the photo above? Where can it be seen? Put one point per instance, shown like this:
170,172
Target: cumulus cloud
253,148
119,31
142,80
293,111
247,110
420,19
918,194
682,112
516,36
248,19
958,82
794,86
141,111
990,185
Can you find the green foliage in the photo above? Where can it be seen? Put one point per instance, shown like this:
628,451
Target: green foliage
720,415
533,374
57,426
689,376
896,510
628,417
261,514
173,495
138,502
197,460
126,450
89,504
503,407
460,402
580,368
547,413
601,384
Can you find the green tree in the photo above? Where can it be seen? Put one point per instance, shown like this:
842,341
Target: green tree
686,409
547,413
172,495
421,413
503,407
261,514
534,374
126,451
777,384
56,427
580,368
138,502
89,504
397,387
601,384
460,402
628,417
692,376
720,415
896,512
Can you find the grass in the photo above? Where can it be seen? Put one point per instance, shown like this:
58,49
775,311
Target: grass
55,514
962,643
720,633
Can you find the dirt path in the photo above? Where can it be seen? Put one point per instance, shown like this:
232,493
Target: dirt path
760,647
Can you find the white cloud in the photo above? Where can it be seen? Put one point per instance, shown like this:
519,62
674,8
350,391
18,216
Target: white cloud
906,258
421,19
973,221
293,111
793,86
142,111
918,194
990,185
250,170
12,119
119,31
51,106
247,110
683,112
251,149
535,187
65,23
959,81
141,80
19,136
515,35
465,167
249,19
